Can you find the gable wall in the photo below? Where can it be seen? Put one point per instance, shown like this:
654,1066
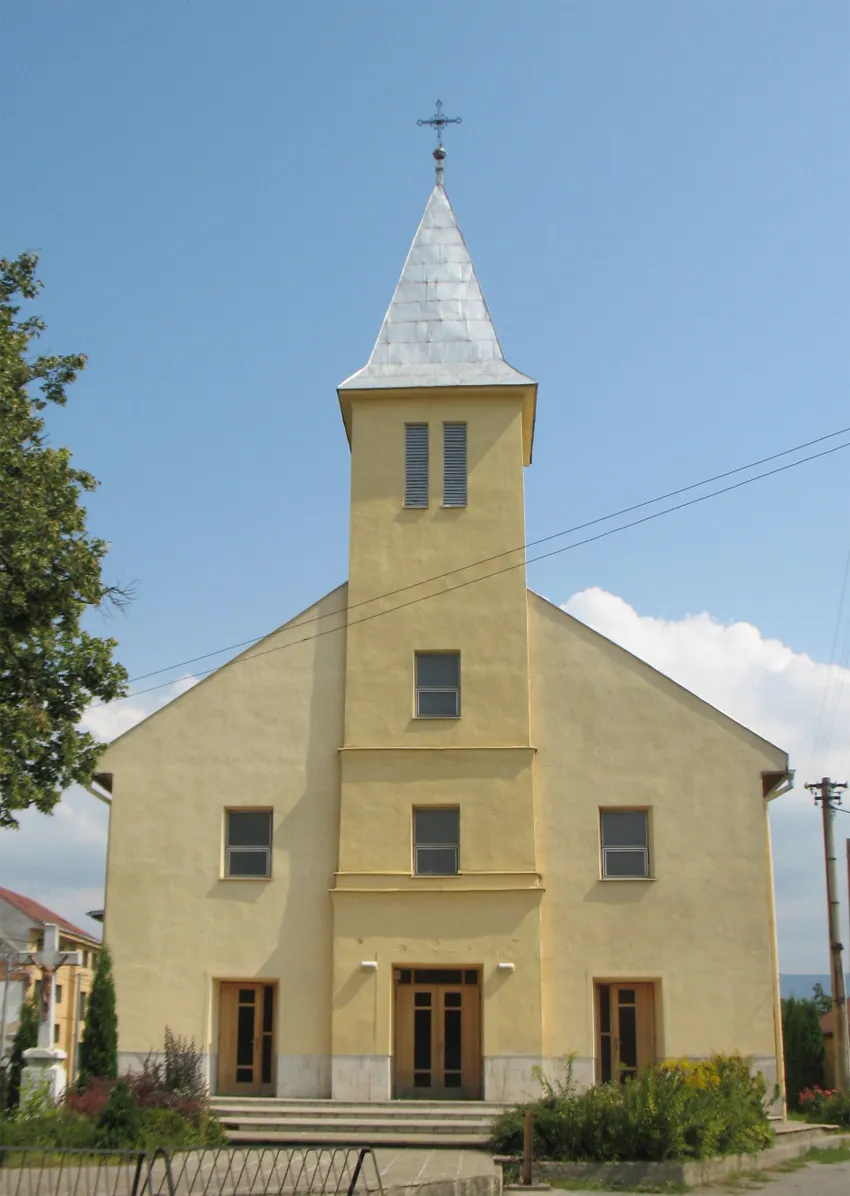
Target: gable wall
261,732
610,731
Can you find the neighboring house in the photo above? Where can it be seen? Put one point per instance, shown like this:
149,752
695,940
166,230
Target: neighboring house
21,928
465,837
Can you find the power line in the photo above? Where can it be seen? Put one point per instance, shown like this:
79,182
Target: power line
508,568
648,502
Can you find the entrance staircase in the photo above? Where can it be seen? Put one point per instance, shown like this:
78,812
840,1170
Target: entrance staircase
275,1121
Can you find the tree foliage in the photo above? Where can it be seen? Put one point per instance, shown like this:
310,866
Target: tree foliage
822,1000
50,573
26,1036
99,1047
804,1050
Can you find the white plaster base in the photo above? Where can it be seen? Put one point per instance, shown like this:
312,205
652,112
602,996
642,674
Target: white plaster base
584,1070
510,1078
135,1060
361,1077
307,1077
44,1072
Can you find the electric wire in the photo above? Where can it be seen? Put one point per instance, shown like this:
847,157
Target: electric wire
648,502
506,569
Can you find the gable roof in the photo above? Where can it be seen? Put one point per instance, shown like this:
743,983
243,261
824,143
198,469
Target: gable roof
39,914
437,330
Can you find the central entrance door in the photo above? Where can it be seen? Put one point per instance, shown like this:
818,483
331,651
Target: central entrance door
438,1033
246,1039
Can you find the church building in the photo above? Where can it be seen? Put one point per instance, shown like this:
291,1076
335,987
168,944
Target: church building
434,833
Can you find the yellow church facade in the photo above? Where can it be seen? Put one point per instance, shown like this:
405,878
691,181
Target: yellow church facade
434,833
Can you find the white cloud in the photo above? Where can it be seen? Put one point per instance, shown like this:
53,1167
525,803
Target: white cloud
60,859
779,693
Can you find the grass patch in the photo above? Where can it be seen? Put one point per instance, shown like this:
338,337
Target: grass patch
828,1154
585,1185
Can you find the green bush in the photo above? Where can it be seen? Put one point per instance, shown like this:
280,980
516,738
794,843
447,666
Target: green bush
674,1110
119,1126
826,1107
804,1050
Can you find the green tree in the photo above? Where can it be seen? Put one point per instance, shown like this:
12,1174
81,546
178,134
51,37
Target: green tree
804,1049
50,574
99,1047
26,1036
822,1000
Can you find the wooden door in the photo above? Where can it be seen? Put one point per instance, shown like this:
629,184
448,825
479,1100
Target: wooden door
246,1052
438,1034
626,1035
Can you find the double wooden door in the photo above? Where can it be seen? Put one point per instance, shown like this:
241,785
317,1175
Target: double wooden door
626,1029
246,1039
437,1034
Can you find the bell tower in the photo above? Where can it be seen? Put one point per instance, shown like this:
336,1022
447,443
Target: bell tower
437,857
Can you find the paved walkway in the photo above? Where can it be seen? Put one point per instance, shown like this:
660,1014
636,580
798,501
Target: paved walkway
815,1179
406,1165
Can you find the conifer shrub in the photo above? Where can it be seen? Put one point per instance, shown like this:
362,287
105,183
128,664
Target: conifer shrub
804,1047
119,1126
26,1036
99,1047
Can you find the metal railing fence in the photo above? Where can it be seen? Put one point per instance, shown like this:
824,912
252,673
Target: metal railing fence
206,1171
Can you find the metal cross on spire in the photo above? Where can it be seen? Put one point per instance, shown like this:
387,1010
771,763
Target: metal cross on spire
438,122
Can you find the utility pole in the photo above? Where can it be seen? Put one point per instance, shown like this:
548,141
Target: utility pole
828,793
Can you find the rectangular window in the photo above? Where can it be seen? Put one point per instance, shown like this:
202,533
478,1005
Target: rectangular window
248,843
454,465
58,994
416,465
56,1032
436,842
625,843
437,684
82,1010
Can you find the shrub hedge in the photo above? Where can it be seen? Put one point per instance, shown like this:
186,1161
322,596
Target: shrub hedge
675,1110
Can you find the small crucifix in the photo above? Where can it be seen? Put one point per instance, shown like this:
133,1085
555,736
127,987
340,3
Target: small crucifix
48,960
438,122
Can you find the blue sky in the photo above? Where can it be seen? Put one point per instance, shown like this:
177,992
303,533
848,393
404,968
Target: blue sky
655,196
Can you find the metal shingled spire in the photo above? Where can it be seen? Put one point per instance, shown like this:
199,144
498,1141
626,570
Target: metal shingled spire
437,330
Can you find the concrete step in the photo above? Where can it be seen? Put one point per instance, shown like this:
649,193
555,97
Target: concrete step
286,1104
320,1138
358,1124
380,1123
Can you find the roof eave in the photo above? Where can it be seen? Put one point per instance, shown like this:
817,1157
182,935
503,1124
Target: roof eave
526,387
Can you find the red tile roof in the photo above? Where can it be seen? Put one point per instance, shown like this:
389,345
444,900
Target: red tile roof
41,914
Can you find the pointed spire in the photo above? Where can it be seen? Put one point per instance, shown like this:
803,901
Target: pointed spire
437,330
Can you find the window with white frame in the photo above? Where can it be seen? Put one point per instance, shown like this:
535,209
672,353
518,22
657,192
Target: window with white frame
248,844
437,684
625,843
416,465
454,465
436,841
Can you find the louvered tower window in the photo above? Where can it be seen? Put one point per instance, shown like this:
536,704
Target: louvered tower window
416,465
454,465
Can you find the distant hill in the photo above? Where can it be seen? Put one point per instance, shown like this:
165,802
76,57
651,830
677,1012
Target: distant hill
793,984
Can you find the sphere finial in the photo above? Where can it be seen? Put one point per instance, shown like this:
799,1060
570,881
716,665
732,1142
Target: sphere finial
438,122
